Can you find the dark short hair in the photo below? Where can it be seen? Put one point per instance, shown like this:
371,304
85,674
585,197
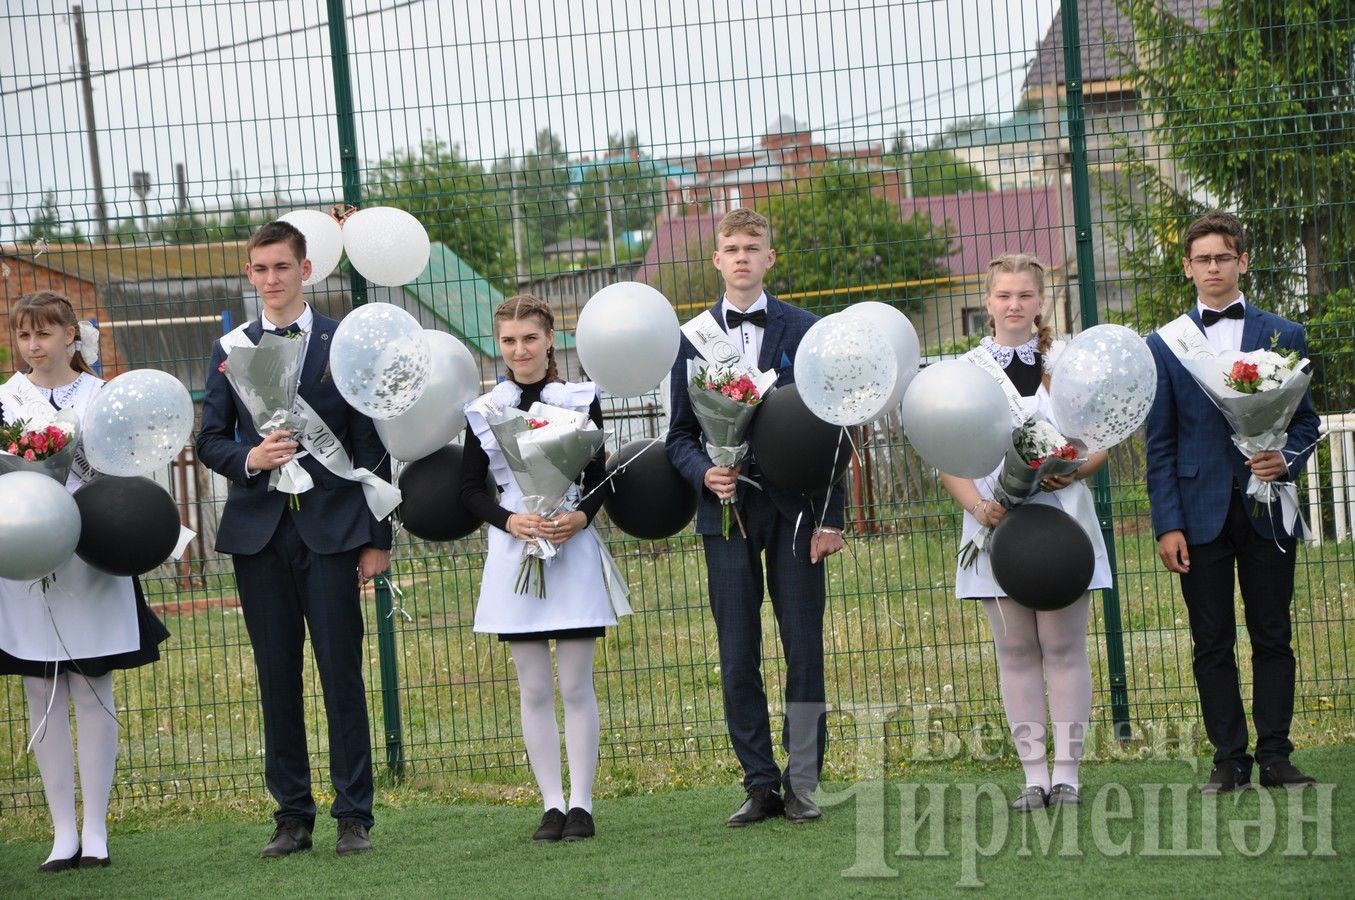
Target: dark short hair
278,232
1217,222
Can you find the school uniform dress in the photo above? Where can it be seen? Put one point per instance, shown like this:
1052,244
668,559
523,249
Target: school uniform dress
577,603
976,581
87,621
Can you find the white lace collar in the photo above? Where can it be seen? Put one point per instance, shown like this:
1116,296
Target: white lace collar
1003,354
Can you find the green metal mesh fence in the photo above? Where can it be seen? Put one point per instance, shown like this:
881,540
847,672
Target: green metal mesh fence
559,147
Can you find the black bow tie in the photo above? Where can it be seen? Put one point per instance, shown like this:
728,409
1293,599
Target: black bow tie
293,328
1210,316
734,318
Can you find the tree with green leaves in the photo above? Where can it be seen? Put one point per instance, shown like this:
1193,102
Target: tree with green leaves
1253,113
936,171
628,183
48,225
539,191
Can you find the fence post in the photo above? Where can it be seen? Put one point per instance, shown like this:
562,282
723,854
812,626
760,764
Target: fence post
1086,283
352,195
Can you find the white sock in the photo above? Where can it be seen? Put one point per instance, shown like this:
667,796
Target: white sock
540,730
1063,644
574,659
56,757
97,745
1021,674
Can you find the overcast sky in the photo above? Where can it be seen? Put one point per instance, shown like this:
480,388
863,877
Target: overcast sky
242,92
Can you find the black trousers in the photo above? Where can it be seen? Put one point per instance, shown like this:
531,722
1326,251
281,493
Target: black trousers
735,580
1265,573
284,589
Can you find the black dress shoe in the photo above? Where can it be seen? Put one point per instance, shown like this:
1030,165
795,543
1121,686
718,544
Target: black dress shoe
1063,795
1225,777
95,862
552,827
800,806
578,825
1284,774
61,865
288,838
762,803
352,838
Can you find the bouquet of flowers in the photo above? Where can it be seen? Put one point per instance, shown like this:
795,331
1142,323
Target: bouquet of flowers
47,448
547,448
724,401
1038,451
266,378
1258,393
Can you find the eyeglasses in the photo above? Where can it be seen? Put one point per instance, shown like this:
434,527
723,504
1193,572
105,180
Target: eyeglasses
1218,259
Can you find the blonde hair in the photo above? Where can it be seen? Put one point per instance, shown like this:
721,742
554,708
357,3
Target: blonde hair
742,221
1020,264
527,306
49,308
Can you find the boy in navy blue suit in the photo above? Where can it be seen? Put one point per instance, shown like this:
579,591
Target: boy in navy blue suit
1204,522
302,566
781,525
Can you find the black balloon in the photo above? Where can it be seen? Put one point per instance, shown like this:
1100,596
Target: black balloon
430,489
648,498
795,449
128,526
1041,557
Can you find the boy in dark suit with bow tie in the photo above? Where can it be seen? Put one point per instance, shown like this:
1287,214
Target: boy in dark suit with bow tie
302,566
1204,522
768,332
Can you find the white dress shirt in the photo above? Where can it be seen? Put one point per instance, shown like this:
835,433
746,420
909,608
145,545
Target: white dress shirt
1225,334
748,334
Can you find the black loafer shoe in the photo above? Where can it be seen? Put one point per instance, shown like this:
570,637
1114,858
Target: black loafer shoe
1031,799
1226,777
95,862
352,838
1284,774
762,803
552,827
1063,795
800,806
578,825
288,838
61,865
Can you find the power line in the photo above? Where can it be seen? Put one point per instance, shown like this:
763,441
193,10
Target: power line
179,57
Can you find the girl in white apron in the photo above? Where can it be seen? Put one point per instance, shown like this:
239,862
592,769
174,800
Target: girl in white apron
1034,649
576,608
66,643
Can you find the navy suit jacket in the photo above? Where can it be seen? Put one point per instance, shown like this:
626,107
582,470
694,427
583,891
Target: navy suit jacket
786,325
1192,461
333,516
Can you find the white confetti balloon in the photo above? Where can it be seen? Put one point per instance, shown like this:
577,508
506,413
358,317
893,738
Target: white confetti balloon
40,526
894,326
386,245
438,416
324,241
956,418
379,360
627,338
845,369
1103,385
137,423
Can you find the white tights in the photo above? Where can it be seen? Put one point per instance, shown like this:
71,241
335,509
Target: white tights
97,732
540,730
1035,648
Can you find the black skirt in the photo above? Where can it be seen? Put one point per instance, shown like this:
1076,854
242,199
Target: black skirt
152,631
561,634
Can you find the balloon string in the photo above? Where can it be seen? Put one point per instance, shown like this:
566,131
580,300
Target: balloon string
621,467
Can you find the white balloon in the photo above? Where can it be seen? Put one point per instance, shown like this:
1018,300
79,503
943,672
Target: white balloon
379,359
438,416
627,338
845,370
898,330
956,417
137,423
40,526
386,245
1102,386
324,241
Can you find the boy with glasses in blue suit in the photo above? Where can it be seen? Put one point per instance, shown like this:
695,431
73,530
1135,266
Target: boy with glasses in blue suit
1204,521
778,526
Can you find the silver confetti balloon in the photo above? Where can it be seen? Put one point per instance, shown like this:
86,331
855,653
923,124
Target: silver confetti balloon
438,416
845,370
956,418
1103,385
379,360
40,526
139,422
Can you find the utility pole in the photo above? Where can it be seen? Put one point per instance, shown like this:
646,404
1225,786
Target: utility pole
87,91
